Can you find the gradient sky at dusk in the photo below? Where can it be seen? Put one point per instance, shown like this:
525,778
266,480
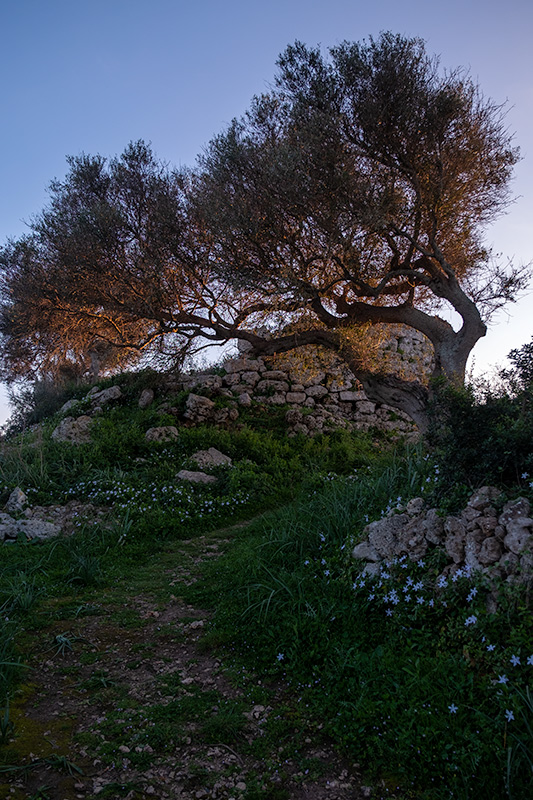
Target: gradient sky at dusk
91,75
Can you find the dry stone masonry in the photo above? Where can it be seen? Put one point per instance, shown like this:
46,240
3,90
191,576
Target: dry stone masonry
498,543
322,391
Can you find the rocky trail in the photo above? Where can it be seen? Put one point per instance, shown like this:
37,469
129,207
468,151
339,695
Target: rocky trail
125,697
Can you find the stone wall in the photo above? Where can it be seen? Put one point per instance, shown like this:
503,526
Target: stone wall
480,538
319,387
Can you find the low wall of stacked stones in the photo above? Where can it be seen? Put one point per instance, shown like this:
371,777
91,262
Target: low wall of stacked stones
321,390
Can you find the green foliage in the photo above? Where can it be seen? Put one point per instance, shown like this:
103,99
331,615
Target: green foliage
485,436
411,668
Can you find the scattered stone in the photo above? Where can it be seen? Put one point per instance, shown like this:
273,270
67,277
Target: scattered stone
198,409
147,398
195,477
17,501
476,537
164,433
211,458
74,430
101,398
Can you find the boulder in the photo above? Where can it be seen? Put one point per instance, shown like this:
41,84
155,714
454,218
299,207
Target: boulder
147,398
17,501
164,433
195,477
31,528
73,430
101,398
211,458
198,408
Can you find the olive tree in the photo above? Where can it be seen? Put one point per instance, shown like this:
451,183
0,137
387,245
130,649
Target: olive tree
355,193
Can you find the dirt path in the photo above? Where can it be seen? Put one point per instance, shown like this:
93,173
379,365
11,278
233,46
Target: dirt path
125,698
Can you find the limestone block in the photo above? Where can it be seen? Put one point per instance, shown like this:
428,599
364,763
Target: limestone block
316,391
250,378
244,400
296,397
147,398
211,458
363,406
518,538
198,408
383,534
490,552
277,399
483,497
275,375
365,551
276,386
243,365
17,501
73,430
101,398
164,433
347,396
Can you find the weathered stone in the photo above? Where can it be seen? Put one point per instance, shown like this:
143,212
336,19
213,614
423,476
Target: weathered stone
487,524
211,458
483,497
454,542
250,378
243,365
490,552
518,538
244,399
164,433
515,509
433,526
31,528
276,399
195,477
299,427
415,506
383,534
74,430
101,398
348,396
293,415
70,404
275,386
316,391
146,399
17,501
470,513
296,397
366,552
275,375
198,408
364,406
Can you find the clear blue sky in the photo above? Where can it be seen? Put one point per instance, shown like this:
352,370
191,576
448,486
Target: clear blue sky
91,75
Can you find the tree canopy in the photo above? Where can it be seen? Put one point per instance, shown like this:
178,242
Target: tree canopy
356,192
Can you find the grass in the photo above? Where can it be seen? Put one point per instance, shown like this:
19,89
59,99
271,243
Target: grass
417,682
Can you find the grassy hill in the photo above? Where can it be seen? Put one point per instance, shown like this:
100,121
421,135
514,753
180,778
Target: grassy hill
221,634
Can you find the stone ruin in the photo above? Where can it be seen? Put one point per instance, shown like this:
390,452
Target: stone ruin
496,543
319,389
